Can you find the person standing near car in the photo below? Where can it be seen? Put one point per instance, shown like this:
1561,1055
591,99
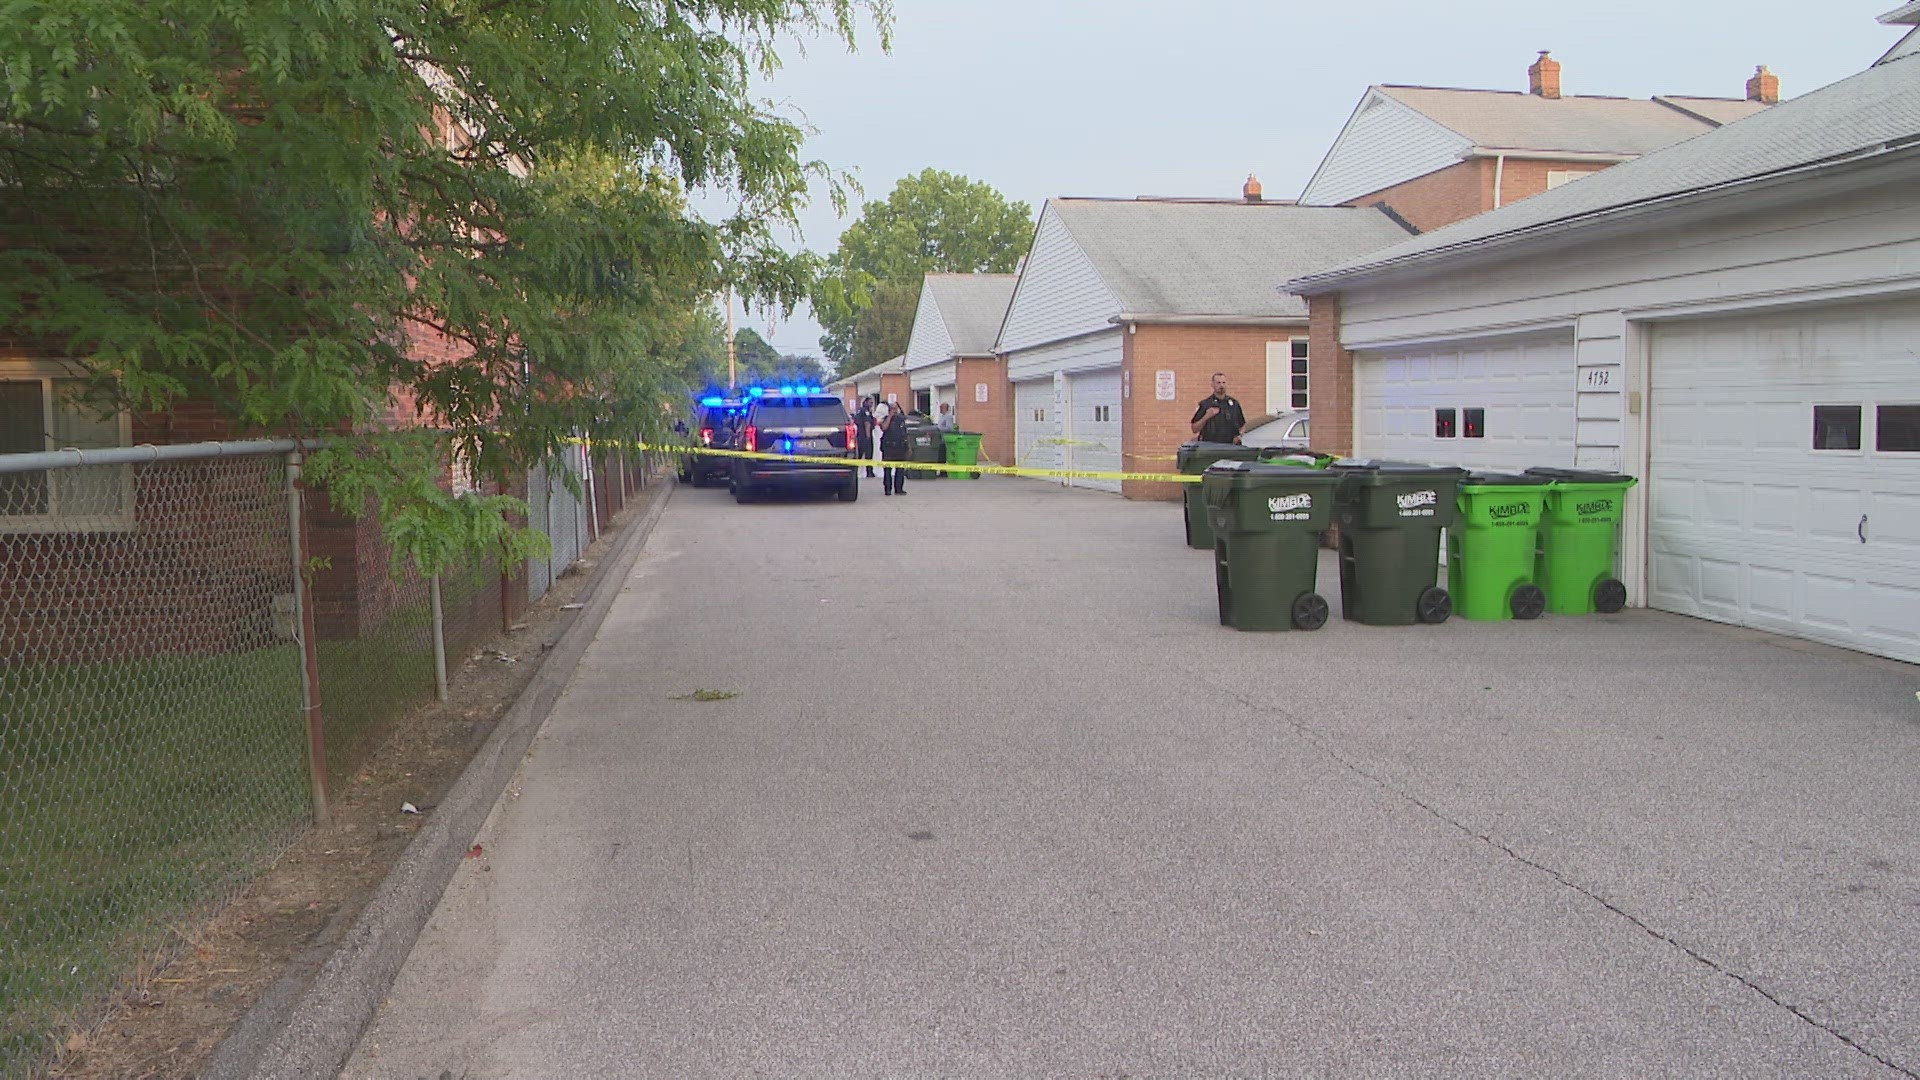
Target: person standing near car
864,418
1219,417
893,447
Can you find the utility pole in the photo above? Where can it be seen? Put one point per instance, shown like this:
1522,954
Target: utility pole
731,381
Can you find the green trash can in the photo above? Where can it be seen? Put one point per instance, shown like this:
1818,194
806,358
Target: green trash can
963,448
1391,515
1266,521
1490,548
1578,533
1192,459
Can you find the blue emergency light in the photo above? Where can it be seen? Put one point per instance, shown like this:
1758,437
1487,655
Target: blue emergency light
712,402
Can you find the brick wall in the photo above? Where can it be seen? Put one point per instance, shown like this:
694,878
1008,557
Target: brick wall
898,387
1330,374
1461,191
1153,429
1452,194
993,419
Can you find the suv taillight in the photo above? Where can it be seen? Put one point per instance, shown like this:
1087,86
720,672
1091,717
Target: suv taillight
853,436
751,436
706,436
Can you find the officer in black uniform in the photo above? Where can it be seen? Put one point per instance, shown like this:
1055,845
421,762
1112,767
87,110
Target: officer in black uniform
1219,418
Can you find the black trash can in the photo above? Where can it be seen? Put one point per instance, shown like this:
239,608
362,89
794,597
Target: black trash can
925,443
1266,521
1192,459
1391,515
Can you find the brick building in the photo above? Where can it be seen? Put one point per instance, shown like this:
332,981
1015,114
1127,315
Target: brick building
950,358
1126,307
1435,155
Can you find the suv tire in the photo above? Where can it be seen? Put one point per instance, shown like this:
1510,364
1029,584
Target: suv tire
744,494
849,491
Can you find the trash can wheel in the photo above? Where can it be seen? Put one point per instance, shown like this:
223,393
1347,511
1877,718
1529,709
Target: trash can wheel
1610,595
1434,605
1527,602
1309,611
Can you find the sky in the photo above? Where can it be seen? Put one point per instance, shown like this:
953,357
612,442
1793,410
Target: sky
1042,98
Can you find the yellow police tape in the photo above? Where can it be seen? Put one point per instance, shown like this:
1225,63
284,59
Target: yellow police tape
927,466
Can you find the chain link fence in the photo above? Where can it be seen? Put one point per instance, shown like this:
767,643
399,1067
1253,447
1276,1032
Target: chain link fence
153,720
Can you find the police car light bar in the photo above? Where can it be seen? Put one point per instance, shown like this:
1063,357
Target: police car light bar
712,402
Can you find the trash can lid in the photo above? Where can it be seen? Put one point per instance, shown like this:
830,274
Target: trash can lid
1257,471
1382,465
1580,476
1499,479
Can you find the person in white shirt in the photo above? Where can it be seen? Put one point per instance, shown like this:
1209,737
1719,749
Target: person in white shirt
880,413
947,420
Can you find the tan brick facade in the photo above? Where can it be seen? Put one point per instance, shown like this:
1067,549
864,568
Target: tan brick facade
1152,429
896,385
1331,372
1461,191
993,419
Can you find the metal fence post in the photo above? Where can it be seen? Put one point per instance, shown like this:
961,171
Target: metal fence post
309,653
439,639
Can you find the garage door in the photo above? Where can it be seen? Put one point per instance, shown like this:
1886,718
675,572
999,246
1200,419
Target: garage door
1093,426
1500,404
1035,433
1784,478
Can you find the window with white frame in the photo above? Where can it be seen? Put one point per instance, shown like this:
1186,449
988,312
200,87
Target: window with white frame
43,408
1286,375
1556,177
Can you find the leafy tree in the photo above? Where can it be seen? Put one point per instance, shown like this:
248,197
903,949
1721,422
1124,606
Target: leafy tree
273,204
931,222
753,358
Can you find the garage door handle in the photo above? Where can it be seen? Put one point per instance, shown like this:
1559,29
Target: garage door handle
1863,528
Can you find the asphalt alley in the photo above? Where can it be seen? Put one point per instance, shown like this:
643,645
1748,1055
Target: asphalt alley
995,795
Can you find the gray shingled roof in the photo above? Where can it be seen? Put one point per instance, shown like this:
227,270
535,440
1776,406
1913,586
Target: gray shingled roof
972,306
1591,125
1856,115
1169,257
1718,110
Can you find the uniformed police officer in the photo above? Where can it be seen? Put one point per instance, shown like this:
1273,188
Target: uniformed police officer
1219,417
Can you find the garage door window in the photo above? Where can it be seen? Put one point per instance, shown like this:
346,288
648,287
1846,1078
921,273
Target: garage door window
1897,429
1836,427
1445,423
1473,423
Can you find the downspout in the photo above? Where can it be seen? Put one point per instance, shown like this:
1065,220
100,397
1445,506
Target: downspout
1499,173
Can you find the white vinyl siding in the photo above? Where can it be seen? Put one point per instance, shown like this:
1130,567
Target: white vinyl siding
929,342
1092,440
1079,354
941,374
1385,143
1524,388
1060,293
1749,522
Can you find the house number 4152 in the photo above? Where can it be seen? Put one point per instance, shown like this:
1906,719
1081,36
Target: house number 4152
1598,377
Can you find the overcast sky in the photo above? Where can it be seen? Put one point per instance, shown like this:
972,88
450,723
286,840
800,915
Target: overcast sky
1130,97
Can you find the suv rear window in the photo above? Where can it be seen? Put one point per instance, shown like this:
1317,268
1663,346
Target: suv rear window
800,412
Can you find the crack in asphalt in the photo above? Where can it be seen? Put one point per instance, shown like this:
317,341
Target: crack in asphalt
1318,740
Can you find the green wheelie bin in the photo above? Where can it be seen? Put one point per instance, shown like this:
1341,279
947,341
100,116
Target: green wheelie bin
1266,521
1578,533
1490,548
1391,515
963,448
1192,459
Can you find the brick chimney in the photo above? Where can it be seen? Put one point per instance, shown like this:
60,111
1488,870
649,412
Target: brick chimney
1250,191
1764,87
1543,78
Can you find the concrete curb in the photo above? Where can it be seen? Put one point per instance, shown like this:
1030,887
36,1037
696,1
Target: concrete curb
307,1024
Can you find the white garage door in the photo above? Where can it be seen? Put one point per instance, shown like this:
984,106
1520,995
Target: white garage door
1035,432
1506,403
1784,478
1093,426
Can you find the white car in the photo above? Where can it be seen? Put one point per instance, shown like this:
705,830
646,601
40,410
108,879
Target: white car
1287,431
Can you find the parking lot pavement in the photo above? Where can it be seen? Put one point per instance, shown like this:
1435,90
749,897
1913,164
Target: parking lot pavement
996,795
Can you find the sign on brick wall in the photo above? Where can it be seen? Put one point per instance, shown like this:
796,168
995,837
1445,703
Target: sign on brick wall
1163,386
980,392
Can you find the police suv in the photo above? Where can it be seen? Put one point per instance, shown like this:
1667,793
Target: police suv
798,425
718,419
